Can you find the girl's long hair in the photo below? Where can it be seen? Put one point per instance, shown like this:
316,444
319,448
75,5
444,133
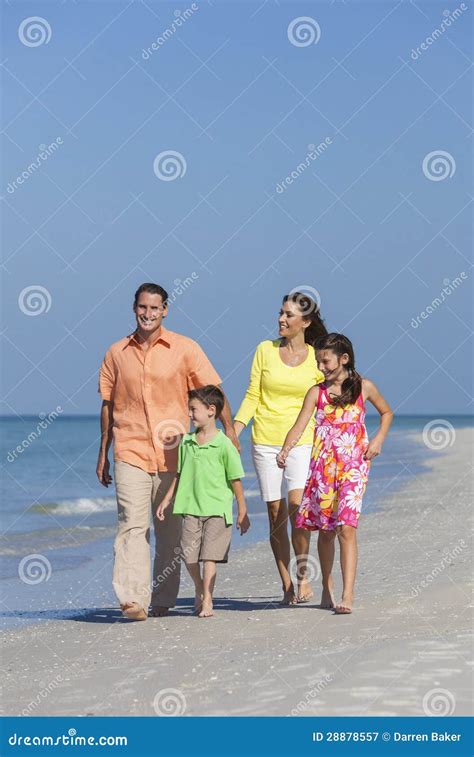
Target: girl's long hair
309,310
352,385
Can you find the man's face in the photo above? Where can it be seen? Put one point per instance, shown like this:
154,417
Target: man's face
149,312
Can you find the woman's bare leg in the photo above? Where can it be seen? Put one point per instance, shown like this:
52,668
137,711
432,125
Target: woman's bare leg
300,539
280,544
326,550
347,536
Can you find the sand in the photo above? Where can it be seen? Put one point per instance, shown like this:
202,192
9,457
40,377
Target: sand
406,649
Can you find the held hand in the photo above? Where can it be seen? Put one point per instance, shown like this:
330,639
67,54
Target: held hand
281,459
243,522
103,471
374,448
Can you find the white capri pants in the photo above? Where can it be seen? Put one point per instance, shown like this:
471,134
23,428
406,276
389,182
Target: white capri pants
276,482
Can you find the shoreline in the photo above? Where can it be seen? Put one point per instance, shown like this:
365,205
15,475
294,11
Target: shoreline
407,639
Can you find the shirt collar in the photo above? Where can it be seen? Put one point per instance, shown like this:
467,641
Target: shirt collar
216,441
163,337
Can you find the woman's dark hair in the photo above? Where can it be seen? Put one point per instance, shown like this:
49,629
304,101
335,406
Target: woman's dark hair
352,385
309,310
151,289
209,395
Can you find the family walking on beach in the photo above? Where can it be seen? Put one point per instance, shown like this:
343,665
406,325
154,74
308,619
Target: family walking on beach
310,450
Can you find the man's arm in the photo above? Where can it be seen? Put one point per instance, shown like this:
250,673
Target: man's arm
106,438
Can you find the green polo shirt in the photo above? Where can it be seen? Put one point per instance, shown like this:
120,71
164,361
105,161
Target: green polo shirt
206,471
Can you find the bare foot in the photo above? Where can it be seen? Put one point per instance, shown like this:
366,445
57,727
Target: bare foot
133,611
327,599
198,602
206,610
289,598
159,611
344,607
305,592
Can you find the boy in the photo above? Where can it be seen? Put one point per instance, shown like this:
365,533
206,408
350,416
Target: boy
209,473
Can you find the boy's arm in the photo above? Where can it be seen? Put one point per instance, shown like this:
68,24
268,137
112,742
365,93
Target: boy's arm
165,502
386,417
243,522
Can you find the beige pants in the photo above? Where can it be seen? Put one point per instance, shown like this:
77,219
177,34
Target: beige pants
138,496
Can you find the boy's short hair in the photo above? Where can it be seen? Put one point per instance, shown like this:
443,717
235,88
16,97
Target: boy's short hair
209,395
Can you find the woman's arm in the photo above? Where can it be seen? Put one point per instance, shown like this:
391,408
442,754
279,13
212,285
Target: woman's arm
295,433
372,394
250,402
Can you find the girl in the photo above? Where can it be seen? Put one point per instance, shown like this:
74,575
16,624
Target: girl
340,460
283,370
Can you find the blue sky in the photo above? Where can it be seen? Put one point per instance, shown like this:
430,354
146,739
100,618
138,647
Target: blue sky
364,225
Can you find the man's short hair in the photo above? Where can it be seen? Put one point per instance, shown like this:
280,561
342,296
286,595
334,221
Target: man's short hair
151,289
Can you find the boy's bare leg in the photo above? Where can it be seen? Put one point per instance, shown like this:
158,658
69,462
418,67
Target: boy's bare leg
326,558
194,570
348,545
208,581
300,539
280,544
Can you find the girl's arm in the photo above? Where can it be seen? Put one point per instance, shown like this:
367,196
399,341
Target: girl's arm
372,394
295,433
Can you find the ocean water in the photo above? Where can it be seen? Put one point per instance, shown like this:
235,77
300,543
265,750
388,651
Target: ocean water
54,508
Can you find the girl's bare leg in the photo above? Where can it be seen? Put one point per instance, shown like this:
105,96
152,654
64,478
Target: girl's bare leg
300,539
348,545
326,550
208,583
280,544
194,570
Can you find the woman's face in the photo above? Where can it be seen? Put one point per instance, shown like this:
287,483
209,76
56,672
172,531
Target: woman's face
290,320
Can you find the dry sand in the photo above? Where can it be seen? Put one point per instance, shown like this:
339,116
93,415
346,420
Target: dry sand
406,649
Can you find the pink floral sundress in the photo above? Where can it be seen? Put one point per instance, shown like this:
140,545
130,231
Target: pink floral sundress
338,473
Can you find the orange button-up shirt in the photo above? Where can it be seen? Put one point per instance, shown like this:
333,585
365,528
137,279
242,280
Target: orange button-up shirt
149,389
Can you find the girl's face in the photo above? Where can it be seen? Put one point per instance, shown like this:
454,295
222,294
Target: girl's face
332,365
290,320
200,413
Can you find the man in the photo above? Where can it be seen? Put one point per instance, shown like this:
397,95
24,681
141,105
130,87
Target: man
144,380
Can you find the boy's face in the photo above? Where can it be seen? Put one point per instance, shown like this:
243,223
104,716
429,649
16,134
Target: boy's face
330,364
200,413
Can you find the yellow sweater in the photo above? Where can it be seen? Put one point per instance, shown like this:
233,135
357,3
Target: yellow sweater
275,394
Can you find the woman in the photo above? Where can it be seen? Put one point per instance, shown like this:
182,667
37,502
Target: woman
282,371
